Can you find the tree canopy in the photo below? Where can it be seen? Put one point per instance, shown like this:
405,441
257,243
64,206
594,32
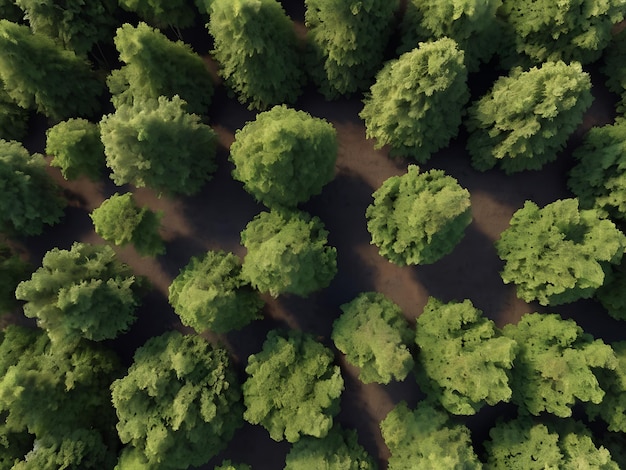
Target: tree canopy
559,253
162,13
612,294
178,405
284,156
417,218
156,143
210,294
556,365
287,253
416,104
614,69
293,388
525,119
374,335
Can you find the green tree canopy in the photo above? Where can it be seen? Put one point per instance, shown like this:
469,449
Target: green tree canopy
84,292
526,118
417,218
417,102
119,220
13,270
162,13
178,405
39,74
558,254
612,294
284,156
156,143
374,336
339,449
210,294
77,149
293,388
346,41
464,362
155,66
13,118
29,199
614,68
556,364
425,438
287,253
256,47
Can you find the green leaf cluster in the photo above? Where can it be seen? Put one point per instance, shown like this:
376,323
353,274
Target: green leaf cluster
13,119
526,118
156,143
210,294
13,270
178,405
155,66
417,102
284,156
463,359
556,364
293,388
417,218
257,50
559,253
425,438
287,254
29,199
162,13
346,41
374,336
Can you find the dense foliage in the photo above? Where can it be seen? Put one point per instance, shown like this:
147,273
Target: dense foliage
13,118
13,270
612,294
614,68
228,465
162,13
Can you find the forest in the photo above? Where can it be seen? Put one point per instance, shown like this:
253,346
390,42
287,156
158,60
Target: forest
312,234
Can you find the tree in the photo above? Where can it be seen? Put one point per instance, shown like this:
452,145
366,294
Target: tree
614,70
417,102
13,119
425,438
374,336
526,118
417,218
284,156
338,450
257,50
13,270
228,465
39,74
162,13
464,362
77,149
346,42
612,293
119,220
178,405
155,66
29,199
84,292
293,388
471,23
556,365
156,143
559,253
287,254
210,294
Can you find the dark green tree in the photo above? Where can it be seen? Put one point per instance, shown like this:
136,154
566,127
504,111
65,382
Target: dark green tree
293,388
257,49
29,199
425,438
39,74
284,156
84,292
162,13
120,221
77,149
526,118
156,143
178,405
13,119
13,270
10,11
417,102
417,218
556,365
155,66
464,362
228,465
559,253
346,41
210,294
612,293
374,336
614,68
287,254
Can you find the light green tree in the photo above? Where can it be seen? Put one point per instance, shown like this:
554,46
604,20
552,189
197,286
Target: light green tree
162,13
